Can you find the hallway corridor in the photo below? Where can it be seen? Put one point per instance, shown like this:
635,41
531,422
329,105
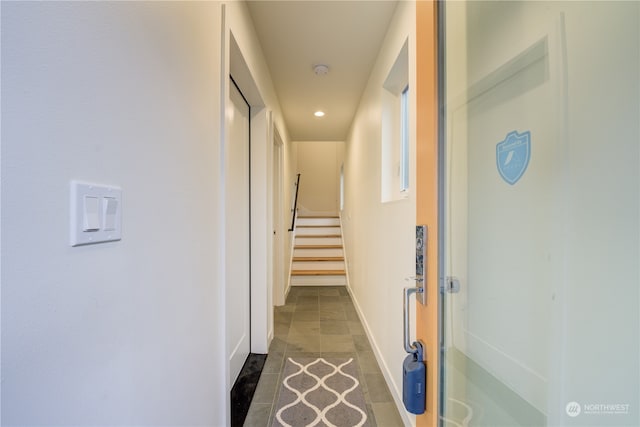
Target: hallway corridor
321,322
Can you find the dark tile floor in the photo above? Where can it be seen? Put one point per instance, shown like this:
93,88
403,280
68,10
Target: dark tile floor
245,387
321,322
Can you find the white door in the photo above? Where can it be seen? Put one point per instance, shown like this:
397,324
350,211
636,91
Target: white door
278,228
542,214
237,263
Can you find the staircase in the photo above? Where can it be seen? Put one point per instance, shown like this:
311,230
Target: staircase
318,256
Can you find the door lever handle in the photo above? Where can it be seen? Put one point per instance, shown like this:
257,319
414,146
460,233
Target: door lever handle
409,348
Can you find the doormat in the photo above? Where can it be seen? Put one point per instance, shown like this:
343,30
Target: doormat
320,392
245,387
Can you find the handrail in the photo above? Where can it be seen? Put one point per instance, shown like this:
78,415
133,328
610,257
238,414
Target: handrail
295,205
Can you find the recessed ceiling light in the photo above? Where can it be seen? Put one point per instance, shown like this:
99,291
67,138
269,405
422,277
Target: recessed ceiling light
319,113
320,69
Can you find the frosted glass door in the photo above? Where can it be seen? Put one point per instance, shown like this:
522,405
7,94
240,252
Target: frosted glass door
541,202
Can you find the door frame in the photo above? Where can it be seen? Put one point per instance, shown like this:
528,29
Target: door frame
261,158
261,196
441,144
279,284
232,62
427,197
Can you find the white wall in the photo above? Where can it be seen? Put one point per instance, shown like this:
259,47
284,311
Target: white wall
290,171
124,333
129,94
319,164
379,237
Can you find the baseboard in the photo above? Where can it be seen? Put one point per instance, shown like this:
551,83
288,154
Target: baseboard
286,291
270,338
396,391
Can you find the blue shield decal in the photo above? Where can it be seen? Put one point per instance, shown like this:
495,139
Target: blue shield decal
512,156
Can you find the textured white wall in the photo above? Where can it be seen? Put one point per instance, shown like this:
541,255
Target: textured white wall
380,237
124,333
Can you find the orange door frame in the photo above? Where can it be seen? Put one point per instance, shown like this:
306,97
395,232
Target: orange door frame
427,320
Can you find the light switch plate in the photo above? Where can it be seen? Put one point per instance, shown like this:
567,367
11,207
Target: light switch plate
85,228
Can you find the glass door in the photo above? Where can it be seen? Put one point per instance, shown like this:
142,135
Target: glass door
541,226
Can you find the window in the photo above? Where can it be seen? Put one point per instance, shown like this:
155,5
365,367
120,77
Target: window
404,140
395,131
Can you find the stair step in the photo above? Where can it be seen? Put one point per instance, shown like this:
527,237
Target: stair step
317,258
317,272
312,240
315,222
317,247
320,236
317,265
340,280
323,252
316,230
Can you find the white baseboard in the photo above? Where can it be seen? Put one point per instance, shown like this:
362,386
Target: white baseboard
286,291
269,339
396,391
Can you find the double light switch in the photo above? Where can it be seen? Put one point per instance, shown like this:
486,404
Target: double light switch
96,213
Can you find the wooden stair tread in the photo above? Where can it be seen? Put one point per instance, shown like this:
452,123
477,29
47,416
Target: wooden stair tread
318,258
318,216
317,272
317,247
321,236
317,226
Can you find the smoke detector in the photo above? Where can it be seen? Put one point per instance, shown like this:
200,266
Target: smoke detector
320,69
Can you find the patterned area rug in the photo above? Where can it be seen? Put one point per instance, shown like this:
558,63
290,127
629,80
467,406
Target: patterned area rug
320,392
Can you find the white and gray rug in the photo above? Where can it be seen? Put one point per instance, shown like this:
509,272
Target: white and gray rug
320,392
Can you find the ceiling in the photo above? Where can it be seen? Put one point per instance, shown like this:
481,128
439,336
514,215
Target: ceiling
296,35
